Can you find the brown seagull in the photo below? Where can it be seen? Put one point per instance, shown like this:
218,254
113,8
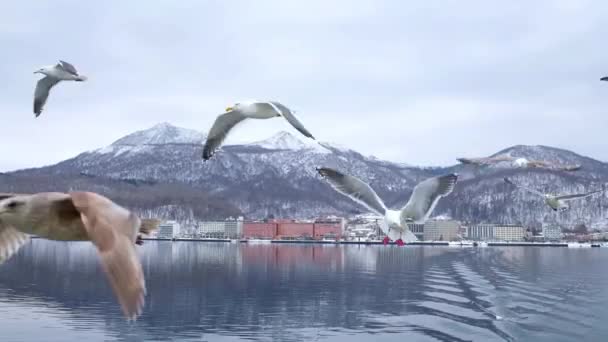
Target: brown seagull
81,216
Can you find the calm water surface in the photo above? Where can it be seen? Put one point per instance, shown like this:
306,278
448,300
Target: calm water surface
55,291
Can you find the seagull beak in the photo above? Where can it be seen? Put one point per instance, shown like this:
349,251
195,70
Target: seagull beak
228,108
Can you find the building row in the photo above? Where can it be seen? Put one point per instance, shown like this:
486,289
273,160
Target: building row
495,232
432,230
441,230
236,229
293,230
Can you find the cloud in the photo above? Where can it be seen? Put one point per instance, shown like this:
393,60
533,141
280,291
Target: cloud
422,83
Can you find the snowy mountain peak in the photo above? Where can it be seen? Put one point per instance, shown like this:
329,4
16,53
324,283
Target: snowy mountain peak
287,141
160,134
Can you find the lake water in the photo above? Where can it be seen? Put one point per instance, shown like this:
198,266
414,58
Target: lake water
56,291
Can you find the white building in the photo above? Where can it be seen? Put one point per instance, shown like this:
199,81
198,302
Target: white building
417,229
481,232
552,232
440,230
509,232
168,230
496,232
220,229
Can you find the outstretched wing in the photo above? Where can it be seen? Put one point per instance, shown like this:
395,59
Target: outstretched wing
425,197
508,181
354,188
68,67
485,161
113,230
577,196
43,87
10,241
220,129
292,119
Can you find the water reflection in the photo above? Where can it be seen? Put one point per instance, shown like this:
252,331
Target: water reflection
225,292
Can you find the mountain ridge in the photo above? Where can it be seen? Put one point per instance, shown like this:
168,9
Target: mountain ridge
277,176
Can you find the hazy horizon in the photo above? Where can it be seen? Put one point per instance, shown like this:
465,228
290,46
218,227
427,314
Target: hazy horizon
380,77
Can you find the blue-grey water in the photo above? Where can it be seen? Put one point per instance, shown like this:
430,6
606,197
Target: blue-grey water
56,291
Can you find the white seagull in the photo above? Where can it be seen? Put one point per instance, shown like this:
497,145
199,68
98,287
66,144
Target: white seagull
423,200
241,111
62,71
555,202
81,216
518,162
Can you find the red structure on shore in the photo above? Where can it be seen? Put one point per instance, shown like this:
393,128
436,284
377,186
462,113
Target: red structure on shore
284,229
259,230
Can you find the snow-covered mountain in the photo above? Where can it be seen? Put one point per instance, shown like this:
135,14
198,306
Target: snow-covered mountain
160,171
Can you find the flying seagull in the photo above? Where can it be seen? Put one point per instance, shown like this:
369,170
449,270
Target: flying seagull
556,202
423,200
241,111
518,162
62,71
81,216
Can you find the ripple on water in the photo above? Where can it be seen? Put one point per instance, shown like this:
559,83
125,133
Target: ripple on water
228,292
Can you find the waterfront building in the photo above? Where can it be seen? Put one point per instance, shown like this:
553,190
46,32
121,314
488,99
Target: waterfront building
481,232
325,230
509,232
295,230
552,232
440,230
496,232
417,229
259,230
168,230
219,229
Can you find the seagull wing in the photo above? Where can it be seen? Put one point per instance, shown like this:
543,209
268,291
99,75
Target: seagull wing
113,230
539,163
292,119
222,125
10,241
508,181
574,167
68,67
577,196
475,161
354,188
426,195
43,87
485,160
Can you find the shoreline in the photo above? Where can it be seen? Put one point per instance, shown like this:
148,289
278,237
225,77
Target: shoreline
482,244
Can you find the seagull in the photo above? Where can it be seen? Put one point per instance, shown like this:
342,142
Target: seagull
423,200
241,111
81,216
518,162
62,71
556,202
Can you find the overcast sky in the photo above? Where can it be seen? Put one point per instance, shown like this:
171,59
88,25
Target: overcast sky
418,82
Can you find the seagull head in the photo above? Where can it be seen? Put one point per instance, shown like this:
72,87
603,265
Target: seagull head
43,70
11,209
